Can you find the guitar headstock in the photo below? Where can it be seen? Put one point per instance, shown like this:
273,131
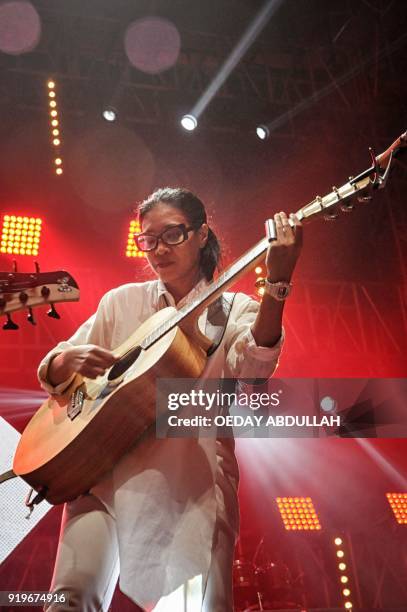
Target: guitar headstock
360,188
20,291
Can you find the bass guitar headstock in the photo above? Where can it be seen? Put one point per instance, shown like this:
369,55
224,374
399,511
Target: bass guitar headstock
25,291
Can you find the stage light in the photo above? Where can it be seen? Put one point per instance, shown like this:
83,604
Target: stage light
55,129
348,605
131,247
398,503
342,566
258,269
338,541
328,404
346,592
262,132
298,513
235,56
189,122
344,579
109,114
340,554
259,284
17,238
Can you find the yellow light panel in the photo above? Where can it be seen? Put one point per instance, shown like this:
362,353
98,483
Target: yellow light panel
20,235
398,503
298,514
131,247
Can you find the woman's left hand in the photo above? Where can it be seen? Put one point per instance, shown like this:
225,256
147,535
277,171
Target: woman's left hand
283,253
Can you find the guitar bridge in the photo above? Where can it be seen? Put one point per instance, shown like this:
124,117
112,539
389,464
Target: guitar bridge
76,403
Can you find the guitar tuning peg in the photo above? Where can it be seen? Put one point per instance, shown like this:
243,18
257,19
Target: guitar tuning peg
53,313
30,317
9,324
347,207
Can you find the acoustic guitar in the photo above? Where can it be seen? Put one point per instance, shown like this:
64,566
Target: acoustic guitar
74,439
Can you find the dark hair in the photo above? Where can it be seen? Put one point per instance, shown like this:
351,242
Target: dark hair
195,212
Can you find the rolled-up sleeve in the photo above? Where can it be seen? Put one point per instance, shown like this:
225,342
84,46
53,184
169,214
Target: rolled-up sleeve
96,330
244,358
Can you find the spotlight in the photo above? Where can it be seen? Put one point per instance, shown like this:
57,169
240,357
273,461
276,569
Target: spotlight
109,114
328,404
262,132
189,122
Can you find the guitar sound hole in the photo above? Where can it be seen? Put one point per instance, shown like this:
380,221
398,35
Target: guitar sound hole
124,363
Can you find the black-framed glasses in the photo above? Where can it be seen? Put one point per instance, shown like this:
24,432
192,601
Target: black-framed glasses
176,234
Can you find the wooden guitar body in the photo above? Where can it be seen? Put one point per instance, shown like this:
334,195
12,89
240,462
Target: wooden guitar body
64,457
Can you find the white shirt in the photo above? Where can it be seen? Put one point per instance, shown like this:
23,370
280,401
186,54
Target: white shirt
166,494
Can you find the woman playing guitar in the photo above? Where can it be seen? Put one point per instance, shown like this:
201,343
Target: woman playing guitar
167,511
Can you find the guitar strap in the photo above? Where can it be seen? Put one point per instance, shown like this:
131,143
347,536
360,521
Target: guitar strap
217,320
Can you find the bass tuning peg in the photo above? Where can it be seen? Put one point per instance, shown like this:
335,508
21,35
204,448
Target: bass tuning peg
9,324
30,317
53,313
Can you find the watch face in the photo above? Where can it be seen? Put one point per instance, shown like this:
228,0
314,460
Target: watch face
282,292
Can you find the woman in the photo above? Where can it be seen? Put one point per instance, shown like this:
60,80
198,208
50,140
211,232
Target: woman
167,512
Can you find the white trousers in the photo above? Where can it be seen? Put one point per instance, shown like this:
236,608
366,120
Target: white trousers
87,563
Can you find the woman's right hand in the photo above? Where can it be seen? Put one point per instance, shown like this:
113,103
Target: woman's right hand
86,359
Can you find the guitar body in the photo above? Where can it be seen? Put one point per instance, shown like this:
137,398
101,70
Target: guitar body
64,456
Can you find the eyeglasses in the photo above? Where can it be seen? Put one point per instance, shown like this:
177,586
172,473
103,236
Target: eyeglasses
177,234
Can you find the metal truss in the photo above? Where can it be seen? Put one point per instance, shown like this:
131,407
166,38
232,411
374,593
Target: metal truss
380,563
85,53
347,322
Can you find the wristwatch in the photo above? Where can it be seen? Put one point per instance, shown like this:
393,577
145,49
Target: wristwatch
279,291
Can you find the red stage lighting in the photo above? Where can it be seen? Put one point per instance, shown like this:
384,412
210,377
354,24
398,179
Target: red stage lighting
298,513
20,235
398,503
131,247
